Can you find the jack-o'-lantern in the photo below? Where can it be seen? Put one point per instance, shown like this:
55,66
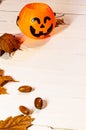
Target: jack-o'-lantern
36,20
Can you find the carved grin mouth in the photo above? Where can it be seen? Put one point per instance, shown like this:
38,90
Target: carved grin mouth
41,32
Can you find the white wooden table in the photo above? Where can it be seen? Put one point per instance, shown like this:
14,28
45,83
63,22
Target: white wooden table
55,67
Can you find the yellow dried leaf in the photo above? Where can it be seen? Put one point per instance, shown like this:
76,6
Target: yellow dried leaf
6,79
1,72
20,122
3,90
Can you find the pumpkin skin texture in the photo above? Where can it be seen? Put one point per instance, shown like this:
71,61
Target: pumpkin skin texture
36,20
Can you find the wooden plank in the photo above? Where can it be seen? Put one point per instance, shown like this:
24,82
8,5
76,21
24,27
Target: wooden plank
67,6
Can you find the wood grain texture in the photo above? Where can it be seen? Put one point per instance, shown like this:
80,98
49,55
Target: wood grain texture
56,66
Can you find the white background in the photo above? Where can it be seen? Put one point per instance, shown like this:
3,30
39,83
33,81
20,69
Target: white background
55,67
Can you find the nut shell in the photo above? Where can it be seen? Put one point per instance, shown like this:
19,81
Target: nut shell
25,89
38,102
24,110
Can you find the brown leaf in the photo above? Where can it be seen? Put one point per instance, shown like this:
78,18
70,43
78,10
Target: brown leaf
8,43
1,72
1,1
6,79
20,122
3,90
60,22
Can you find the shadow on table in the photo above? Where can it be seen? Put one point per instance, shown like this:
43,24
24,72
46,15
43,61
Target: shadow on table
67,19
33,43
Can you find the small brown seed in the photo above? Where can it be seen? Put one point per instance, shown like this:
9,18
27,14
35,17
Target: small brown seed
24,110
38,102
25,88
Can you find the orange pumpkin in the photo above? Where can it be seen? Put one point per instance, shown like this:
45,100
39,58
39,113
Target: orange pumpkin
36,20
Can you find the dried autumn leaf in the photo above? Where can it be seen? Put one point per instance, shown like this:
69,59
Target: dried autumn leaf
60,22
20,122
6,79
1,1
1,72
9,43
3,90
